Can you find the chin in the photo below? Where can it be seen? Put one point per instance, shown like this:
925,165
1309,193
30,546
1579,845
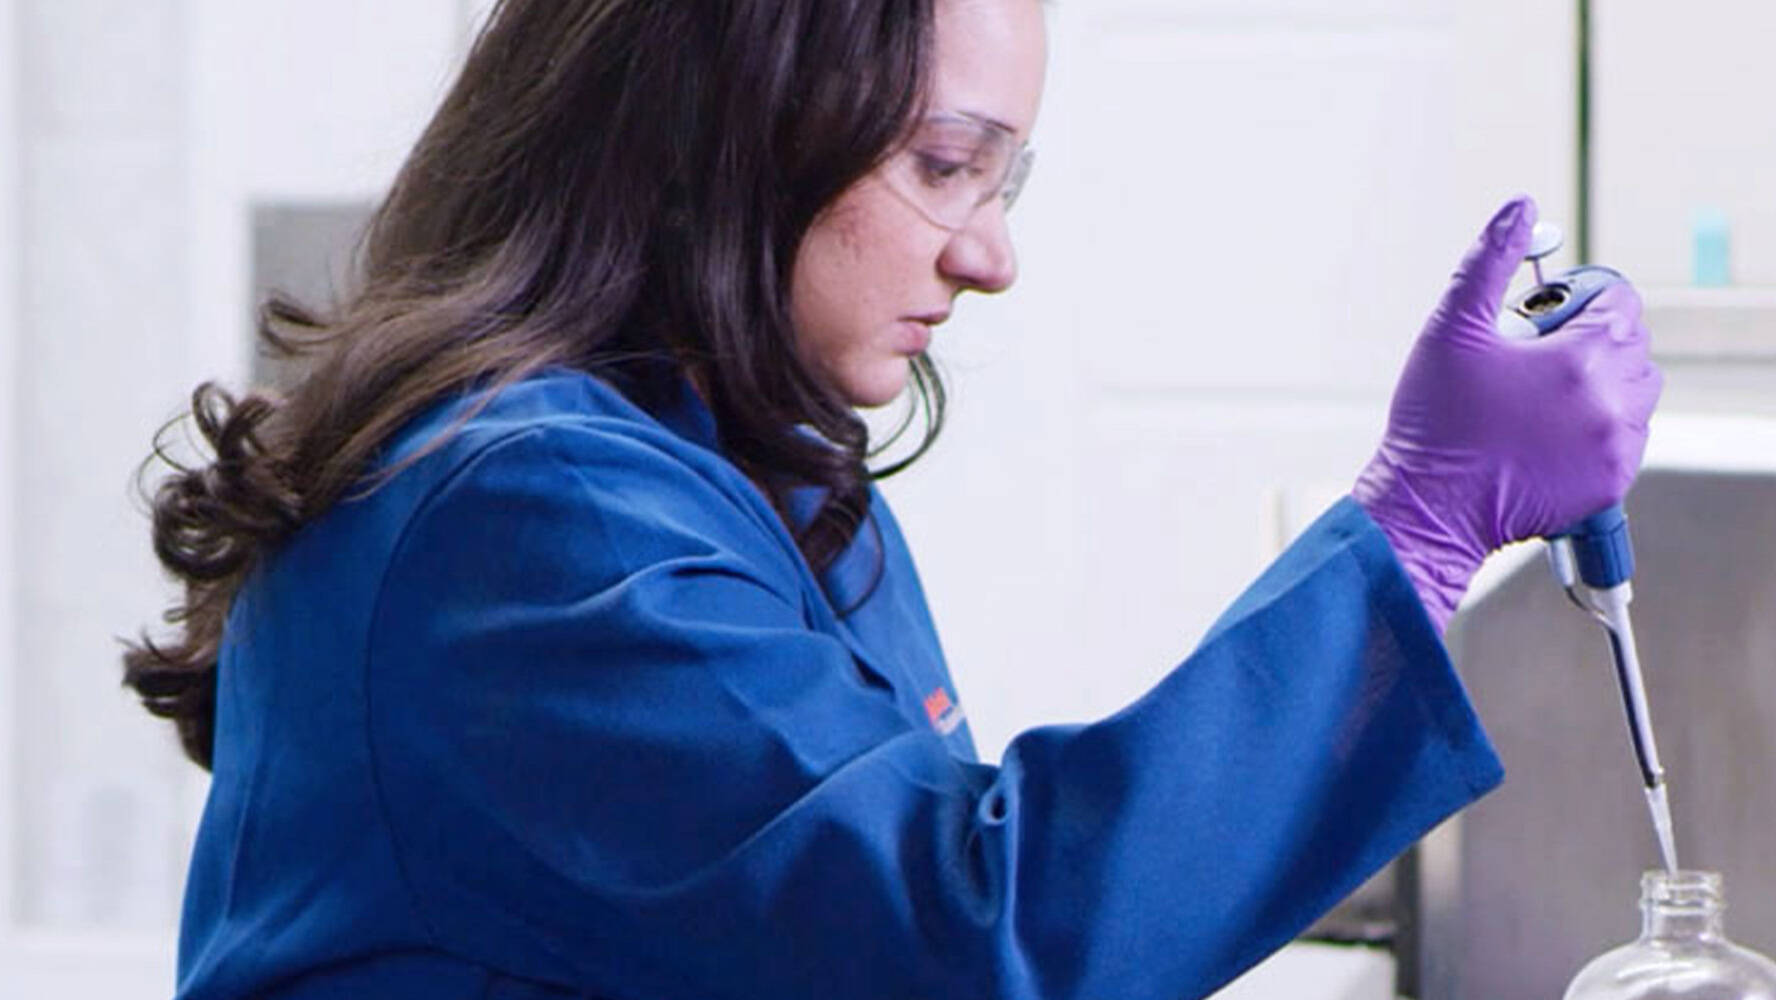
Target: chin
877,386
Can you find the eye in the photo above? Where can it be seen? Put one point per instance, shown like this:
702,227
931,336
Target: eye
938,171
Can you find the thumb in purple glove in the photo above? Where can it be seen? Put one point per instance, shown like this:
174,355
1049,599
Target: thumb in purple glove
1492,440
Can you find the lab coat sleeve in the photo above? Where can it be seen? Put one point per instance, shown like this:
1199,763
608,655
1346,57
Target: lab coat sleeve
612,756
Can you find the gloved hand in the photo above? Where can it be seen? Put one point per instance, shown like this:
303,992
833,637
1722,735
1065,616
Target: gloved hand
1491,440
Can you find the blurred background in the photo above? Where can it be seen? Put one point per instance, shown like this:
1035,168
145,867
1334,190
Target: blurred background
1242,211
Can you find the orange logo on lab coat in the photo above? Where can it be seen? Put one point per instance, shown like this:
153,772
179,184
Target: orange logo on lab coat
945,714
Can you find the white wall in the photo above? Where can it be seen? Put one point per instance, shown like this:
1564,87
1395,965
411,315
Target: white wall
91,158
147,131
9,335
298,100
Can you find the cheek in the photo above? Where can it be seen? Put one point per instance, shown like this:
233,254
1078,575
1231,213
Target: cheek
844,271
827,263
843,251
844,232
862,267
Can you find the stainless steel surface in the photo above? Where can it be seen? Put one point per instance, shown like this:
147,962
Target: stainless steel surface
1514,896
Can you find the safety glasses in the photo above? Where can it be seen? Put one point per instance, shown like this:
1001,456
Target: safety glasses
954,164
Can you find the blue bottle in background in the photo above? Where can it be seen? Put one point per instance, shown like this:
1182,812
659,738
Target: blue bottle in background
1711,250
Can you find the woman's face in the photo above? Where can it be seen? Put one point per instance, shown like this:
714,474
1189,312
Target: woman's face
880,267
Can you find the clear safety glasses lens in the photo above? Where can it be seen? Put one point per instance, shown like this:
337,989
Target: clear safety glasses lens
954,165
1021,165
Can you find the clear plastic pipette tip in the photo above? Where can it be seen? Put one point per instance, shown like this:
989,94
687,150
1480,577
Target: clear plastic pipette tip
1612,607
1660,806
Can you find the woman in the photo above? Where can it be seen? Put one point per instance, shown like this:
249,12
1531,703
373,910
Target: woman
550,640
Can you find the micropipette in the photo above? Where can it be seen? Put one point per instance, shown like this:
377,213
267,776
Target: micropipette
1594,559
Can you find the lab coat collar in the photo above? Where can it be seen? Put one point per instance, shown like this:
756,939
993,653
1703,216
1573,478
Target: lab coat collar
661,387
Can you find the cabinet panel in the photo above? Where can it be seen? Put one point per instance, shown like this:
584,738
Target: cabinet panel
1682,128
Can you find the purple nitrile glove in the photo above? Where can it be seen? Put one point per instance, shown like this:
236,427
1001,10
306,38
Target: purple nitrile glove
1492,440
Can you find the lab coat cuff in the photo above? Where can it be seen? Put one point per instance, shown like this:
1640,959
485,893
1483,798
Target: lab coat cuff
1440,691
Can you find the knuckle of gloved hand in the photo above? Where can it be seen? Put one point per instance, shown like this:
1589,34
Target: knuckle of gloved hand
1572,371
1619,301
1628,334
1590,436
1600,433
1621,456
1655,381
1621,471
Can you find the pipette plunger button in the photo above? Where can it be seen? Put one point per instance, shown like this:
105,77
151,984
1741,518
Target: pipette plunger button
1544,239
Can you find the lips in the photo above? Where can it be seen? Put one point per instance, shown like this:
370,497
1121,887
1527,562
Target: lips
915,336
918,331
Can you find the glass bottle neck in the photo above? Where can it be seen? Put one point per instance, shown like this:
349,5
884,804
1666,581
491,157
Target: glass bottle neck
1685,905
1668,925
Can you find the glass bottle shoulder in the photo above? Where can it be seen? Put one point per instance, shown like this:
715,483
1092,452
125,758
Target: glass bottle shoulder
1703,969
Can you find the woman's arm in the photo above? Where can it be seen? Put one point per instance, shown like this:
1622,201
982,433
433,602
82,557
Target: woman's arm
614,756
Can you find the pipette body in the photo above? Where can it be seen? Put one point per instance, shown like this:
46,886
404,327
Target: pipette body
1594,559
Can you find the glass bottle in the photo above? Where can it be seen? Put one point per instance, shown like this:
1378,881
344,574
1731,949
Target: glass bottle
1682,953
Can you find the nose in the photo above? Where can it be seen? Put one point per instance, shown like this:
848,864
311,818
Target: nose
980,255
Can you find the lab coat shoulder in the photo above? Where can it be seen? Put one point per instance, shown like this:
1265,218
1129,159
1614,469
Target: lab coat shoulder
594,676
577,440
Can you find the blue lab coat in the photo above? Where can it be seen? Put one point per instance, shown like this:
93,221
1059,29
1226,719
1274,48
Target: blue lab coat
561,711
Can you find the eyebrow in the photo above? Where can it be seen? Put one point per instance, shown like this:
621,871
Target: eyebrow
978,118
990,120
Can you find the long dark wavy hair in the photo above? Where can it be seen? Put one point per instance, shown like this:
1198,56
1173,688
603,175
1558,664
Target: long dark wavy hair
608,182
